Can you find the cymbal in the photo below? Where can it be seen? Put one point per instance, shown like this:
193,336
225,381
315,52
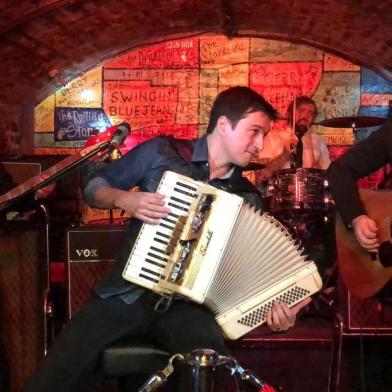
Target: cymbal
352,122
253,166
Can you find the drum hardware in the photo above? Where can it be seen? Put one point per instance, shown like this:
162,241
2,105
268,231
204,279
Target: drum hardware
303,189
204,370
354,122
300,200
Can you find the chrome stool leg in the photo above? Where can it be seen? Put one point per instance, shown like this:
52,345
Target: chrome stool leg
202,373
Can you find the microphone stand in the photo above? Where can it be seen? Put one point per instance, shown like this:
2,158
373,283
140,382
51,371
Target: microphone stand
53,174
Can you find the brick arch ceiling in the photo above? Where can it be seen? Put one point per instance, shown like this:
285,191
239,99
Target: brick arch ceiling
38,36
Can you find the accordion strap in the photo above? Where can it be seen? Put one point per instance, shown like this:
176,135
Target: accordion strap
164,302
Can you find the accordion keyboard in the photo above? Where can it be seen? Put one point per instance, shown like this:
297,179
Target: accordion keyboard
150,253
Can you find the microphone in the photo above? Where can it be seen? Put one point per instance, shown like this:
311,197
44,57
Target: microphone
297,149
292,155
300,130
119,136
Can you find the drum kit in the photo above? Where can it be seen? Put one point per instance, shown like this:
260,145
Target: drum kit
300,198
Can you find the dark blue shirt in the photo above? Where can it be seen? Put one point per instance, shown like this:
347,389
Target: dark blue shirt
143,167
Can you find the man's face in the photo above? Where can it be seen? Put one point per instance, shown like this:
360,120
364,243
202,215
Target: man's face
244,142
304,116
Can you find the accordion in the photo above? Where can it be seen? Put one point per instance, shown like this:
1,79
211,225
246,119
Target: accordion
216,249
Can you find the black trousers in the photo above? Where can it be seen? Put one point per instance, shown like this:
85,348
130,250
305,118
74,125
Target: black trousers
73,362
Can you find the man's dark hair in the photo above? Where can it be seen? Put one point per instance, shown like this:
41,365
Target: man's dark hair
303,100
235,103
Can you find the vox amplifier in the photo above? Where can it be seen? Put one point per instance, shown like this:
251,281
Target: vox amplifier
91,252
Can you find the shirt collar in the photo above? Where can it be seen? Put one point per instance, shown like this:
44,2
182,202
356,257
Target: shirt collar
200,154
200,150
229,173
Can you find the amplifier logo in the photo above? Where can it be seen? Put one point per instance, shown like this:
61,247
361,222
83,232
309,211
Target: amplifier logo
87,253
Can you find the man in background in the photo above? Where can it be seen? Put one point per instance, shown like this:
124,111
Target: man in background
296,146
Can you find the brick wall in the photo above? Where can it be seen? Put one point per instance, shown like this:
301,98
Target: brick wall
37,37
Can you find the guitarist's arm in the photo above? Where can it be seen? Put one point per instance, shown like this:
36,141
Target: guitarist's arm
343,174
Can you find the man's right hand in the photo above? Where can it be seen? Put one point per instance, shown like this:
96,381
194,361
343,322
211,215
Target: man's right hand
146,206
365,230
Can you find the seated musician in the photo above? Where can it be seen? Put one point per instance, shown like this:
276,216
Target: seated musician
359,161
239,120
298,147
295,148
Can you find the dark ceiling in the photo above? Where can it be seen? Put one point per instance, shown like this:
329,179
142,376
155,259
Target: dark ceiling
38,36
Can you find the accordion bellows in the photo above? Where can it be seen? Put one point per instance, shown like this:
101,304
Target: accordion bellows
216,249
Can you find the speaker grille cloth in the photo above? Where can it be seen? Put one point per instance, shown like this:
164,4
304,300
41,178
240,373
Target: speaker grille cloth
22,286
